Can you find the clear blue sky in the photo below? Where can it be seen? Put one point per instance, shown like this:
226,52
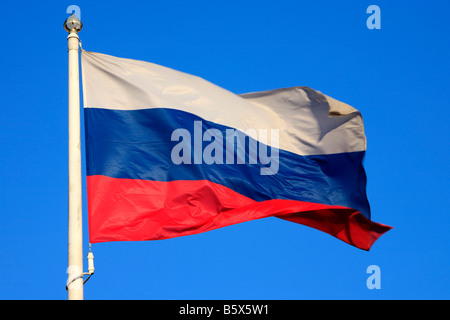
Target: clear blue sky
397,76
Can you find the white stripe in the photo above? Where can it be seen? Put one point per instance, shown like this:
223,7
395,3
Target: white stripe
308,121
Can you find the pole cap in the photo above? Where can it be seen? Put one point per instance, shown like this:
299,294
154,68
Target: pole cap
73,24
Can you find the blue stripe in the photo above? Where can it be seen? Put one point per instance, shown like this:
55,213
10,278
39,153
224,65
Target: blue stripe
137,144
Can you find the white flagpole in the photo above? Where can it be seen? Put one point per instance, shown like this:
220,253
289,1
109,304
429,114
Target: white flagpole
75,244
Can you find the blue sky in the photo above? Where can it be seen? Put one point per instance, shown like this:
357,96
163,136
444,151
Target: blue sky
396,76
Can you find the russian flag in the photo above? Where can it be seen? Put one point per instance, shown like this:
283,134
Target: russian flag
170,154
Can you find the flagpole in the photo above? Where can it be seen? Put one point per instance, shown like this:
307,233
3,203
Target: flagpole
75,231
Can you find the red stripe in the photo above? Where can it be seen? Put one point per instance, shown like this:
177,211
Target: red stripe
135,210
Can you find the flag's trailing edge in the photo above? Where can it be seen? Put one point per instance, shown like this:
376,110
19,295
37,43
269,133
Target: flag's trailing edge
169,154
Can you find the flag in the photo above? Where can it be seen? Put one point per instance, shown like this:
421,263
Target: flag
170,154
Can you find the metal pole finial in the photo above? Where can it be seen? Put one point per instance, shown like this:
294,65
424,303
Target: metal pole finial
73,24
